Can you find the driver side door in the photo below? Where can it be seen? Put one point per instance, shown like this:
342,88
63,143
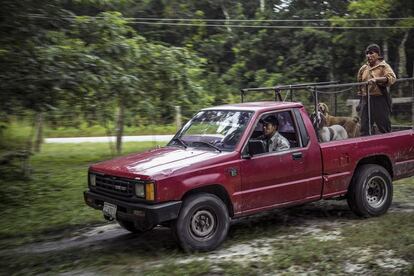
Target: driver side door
278,178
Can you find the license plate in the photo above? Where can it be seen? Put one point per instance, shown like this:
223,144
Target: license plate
109,210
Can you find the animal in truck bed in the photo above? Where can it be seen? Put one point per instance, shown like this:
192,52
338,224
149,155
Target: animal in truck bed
217,168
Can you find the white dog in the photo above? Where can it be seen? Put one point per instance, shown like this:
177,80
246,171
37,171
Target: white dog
351,124
325,133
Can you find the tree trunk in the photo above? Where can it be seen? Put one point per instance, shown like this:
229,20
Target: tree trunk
226,15
385,50
262,5
402,62
102,119
38,132
332,101
178,117
120,125
402,66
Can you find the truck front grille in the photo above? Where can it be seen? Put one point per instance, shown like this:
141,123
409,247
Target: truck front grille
115,185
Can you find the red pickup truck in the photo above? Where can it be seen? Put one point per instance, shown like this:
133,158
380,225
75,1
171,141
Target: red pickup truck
216,169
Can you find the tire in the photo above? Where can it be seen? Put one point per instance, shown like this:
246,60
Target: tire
202,224
370,193
129,225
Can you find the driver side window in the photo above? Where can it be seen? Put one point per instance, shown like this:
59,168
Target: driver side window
274,131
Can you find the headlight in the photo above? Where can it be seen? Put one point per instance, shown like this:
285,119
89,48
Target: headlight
92,179
140,190
145,190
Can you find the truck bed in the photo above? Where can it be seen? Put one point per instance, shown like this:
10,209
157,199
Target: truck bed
395,151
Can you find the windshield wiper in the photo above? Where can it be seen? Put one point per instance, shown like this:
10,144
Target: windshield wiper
180,141
209,145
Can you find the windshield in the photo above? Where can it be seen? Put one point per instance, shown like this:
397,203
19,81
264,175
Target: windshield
215,129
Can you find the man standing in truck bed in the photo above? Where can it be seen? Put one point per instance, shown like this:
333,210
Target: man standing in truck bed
380,76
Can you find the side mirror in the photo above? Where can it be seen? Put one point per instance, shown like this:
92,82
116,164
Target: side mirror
254,147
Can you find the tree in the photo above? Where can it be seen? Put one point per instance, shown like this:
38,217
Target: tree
135,72
28,79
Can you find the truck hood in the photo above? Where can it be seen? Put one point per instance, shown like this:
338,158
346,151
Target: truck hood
158,163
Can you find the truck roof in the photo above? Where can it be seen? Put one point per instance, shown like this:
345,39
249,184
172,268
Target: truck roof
257,106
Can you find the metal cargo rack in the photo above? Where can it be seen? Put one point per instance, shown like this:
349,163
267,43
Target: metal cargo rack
317,88
279,88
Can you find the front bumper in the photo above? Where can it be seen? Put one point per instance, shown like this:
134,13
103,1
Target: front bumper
144,216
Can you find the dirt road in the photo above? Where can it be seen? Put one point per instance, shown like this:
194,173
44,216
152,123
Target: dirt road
106,139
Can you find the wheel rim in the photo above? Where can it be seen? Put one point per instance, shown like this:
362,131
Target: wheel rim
376,191
203,224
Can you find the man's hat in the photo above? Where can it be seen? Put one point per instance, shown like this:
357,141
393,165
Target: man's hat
374,48
271,119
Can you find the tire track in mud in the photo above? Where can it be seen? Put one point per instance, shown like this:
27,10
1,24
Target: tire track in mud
307,219
111,234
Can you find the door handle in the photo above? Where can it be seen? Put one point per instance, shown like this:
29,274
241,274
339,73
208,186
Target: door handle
296,155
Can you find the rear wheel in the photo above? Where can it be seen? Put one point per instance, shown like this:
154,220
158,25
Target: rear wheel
202,224
370,193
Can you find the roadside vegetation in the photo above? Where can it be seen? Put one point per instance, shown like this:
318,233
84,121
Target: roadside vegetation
82,67
47,228
52,199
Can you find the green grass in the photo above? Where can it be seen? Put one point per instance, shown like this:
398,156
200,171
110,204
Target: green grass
15,136
53,198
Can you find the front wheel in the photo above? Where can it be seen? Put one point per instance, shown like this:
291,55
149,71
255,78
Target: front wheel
370,193
202,224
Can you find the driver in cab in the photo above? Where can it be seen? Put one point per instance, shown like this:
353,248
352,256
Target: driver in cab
274,141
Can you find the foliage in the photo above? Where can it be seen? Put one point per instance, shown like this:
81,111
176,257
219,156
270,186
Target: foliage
86,58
